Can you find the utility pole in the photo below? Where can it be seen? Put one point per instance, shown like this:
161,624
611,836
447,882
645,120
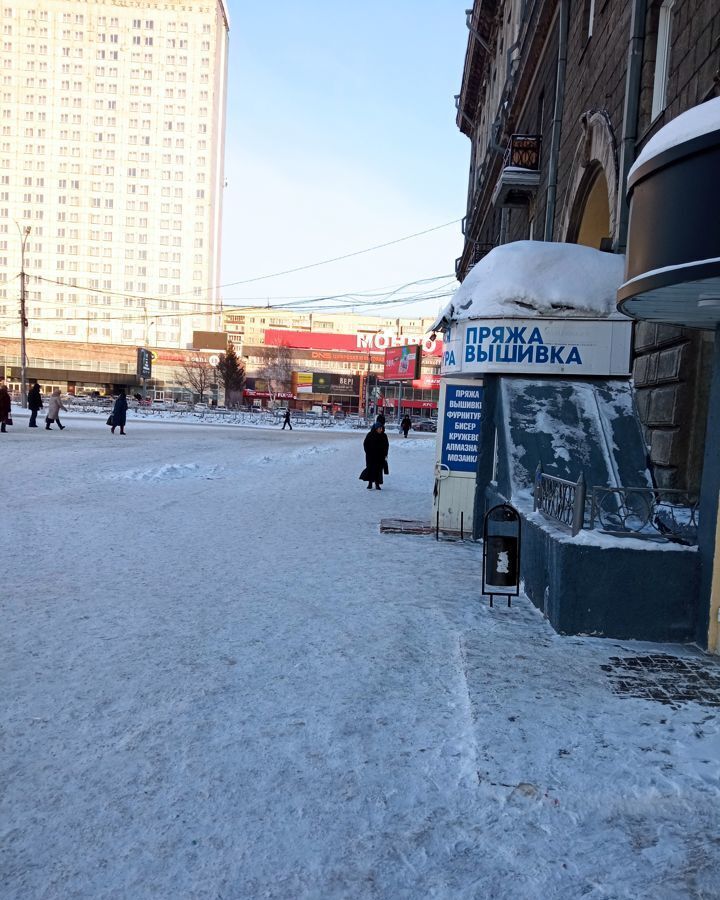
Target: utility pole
367,388
24,234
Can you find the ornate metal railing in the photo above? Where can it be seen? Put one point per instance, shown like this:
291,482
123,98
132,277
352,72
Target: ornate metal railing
560,500
664,513
523,151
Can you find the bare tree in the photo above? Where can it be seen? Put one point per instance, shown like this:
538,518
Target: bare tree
276,369
197,373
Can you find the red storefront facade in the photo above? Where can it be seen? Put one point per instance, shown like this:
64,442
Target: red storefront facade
359,355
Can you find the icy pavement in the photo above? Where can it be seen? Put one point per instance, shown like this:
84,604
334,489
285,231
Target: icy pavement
219,680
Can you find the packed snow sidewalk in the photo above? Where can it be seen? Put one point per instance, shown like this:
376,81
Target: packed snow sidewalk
219,680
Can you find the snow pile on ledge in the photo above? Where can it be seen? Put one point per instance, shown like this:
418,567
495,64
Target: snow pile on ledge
526,279
699,120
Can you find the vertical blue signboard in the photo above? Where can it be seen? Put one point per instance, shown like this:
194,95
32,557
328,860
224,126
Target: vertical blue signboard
461,427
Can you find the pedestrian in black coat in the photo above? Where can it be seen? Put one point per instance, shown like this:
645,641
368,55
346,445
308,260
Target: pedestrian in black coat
119,413
286,420
5,406
406,425
380,420
376,448
35,404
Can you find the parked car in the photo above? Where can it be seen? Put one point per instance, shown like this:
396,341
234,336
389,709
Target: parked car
425,425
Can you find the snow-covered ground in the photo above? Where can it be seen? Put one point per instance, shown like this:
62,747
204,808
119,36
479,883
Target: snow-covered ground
219,680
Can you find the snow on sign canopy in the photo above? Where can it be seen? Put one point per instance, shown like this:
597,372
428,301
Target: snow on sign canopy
530,279
701,119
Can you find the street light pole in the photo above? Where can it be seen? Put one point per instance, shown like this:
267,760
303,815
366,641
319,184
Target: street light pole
24,234
367,388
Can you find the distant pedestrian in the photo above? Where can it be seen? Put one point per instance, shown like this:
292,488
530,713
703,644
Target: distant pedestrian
35,404
380,420
376,449
286,420
406,425
5,406
119,413
55,404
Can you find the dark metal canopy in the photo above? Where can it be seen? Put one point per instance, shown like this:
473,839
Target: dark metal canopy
672,271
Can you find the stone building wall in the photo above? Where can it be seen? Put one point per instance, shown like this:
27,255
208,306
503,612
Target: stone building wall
671,365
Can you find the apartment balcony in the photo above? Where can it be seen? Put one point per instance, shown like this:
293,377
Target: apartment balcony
474,252
520,175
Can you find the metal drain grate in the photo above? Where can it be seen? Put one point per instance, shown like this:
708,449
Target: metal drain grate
665,679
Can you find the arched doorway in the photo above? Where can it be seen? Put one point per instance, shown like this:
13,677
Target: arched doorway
589,215
589,219
594,224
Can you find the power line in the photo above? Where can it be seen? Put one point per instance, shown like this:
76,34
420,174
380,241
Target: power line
355,298
325,262
174,314
303,268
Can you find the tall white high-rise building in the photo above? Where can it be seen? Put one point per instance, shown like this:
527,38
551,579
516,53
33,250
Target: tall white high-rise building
112,128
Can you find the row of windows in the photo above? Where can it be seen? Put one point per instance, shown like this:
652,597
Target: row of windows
102,21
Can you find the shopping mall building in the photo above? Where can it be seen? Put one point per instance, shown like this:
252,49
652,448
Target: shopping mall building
333,361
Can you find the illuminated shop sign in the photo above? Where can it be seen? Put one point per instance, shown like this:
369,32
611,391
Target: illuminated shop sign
358,343
567,346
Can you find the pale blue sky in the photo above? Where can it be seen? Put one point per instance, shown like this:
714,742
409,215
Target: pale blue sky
341,135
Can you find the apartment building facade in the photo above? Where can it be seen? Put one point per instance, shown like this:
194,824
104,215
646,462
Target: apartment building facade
112,121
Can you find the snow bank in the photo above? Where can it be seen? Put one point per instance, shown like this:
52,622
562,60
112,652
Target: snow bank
701,119
538,278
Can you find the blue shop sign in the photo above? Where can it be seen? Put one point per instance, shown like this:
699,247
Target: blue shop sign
461,427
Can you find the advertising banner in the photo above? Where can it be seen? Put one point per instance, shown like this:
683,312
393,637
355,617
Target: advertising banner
345,384
304,383
402,363
144,363
427,383
461,427
321,383
547,347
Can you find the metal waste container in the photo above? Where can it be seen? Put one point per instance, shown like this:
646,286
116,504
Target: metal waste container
501,552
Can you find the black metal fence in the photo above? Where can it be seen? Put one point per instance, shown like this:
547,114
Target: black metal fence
644,512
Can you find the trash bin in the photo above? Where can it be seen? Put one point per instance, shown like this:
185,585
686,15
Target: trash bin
501,561
501,553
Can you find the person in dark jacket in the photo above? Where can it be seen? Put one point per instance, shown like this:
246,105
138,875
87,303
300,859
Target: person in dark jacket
119,413
376,448
35,404
286,420
4,407
380,420
406,425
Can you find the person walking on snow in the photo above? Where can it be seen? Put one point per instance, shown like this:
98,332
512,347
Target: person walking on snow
35,404
119,413
406,425
380,419
55,404
5,405
376,448
286,420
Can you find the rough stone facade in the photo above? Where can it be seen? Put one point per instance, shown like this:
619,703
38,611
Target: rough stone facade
671,365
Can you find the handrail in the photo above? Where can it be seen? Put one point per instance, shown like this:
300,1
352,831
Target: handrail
560,500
